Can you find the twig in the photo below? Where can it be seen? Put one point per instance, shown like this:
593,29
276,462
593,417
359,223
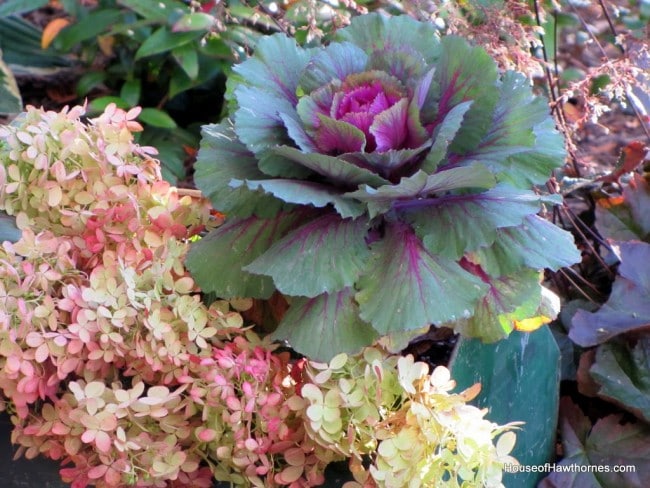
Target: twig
609,21
555,105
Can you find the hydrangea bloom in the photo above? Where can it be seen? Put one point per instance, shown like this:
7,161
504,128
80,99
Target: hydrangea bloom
383,182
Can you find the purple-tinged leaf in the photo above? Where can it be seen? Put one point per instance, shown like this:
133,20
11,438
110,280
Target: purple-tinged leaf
216,260
275,69
387,163
410,189
325,326
623,375
305,193
516,113
536,244
466,73
390,127
311,107
629,219
406,287
417,135
443,135
334,169
337,136
258,121
223,157
424,91
323,256
404,63
334,62
510,298
522,146
296,131
628,306
609,443
452,226
452,179
378,33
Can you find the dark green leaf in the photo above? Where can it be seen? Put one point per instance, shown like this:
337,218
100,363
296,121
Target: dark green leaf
99,104
209,69
21,45
405,287
157,11
130,92
325,326
628,306
516,386
623,374
10,100
196,21
163,40
15,7
89,81
216,261
94,24
187,58
608,443
157,118
323,256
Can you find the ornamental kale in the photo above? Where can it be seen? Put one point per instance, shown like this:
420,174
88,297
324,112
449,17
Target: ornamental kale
383,183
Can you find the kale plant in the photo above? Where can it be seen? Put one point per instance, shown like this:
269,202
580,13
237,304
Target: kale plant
383,182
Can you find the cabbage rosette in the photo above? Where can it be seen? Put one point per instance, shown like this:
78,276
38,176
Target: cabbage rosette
383,182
